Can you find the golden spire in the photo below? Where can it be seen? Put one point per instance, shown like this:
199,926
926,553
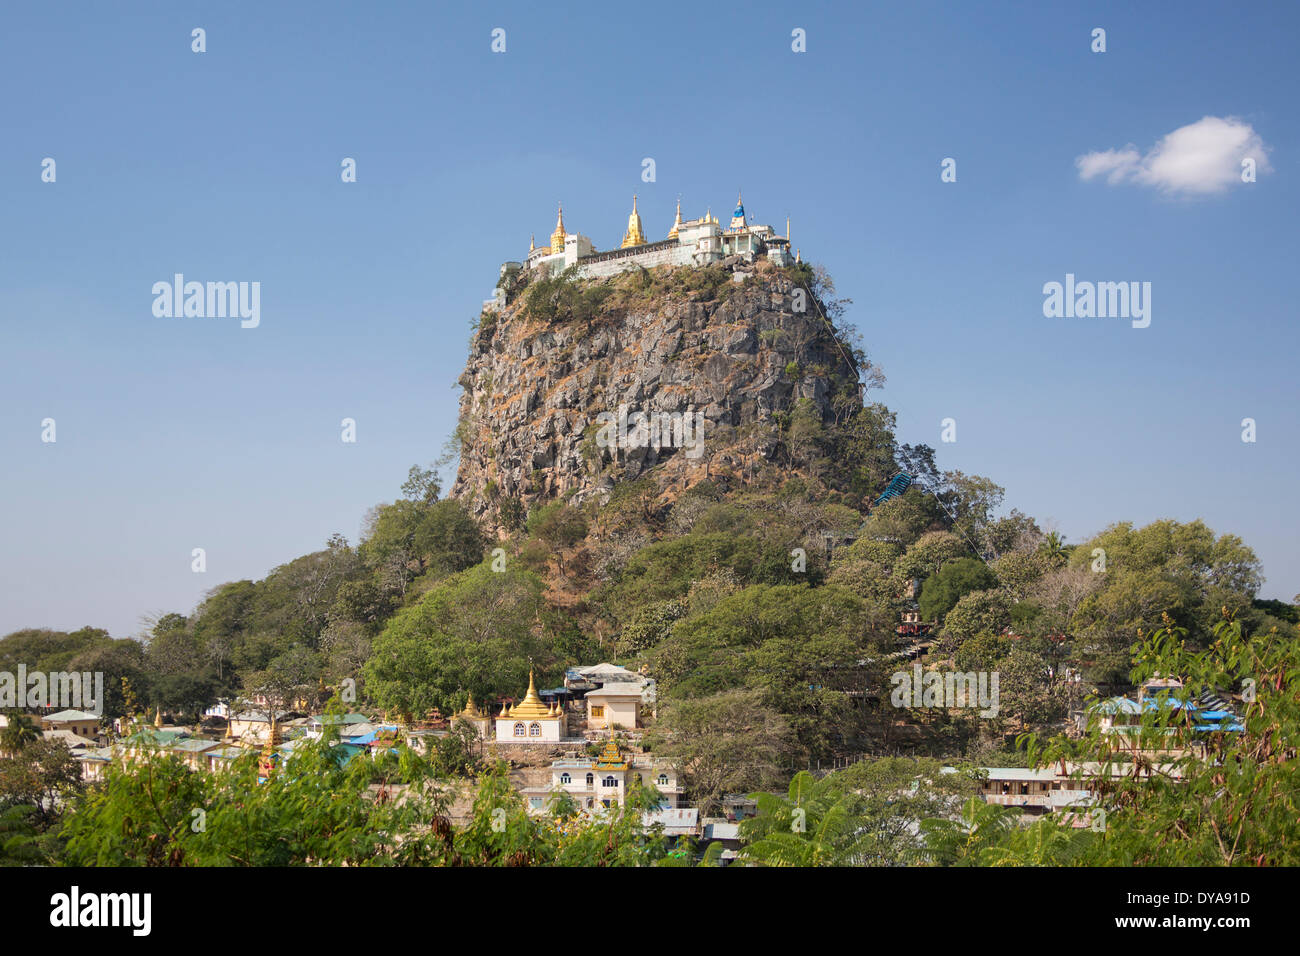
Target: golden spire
531,705
157,718
787,228
797,257
557,237
266,763
532,241
609,758
678,221
634,235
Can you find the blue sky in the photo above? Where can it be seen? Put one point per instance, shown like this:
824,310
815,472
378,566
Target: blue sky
183,433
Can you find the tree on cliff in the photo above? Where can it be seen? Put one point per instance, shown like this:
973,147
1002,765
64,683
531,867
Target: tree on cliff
419,534
473,633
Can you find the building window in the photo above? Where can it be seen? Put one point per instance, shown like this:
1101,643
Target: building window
565,778
519,730
535,802
534,729
663,780
591,781
598,710
609,781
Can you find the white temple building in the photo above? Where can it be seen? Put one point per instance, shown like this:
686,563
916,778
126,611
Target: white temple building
691,242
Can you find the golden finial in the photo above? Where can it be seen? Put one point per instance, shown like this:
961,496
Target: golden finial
532,243
678,221
157,718
787,228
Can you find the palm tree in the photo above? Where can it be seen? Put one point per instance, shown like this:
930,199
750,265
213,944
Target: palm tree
1053,545
971,838
18,733
816,824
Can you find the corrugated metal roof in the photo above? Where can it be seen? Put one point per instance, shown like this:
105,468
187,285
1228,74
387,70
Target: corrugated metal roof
617,690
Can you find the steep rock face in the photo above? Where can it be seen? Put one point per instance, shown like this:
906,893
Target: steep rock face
741,353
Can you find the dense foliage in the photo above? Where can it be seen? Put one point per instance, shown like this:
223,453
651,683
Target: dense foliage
768,612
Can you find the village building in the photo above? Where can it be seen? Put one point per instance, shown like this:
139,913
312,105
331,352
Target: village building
581,682
614,707
251,726
74,721
1035,792
604,780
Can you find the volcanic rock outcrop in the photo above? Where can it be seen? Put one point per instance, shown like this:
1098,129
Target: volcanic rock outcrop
740,347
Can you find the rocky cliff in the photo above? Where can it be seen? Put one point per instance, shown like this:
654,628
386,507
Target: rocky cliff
555,382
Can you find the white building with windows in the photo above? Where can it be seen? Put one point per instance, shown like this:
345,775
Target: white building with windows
691,242
531,720
604,780
614,706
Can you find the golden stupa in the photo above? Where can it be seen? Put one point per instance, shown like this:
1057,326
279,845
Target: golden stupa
677,223
531,707
557,237
634,235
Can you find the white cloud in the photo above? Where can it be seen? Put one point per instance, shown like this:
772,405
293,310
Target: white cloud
1203,157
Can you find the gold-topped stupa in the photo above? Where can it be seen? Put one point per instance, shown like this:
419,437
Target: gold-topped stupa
634,235
471,711
677,223
531,707
557,237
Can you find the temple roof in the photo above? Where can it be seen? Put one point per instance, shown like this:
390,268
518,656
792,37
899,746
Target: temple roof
610,759
532,707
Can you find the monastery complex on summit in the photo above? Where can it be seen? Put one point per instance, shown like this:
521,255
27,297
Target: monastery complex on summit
691,242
